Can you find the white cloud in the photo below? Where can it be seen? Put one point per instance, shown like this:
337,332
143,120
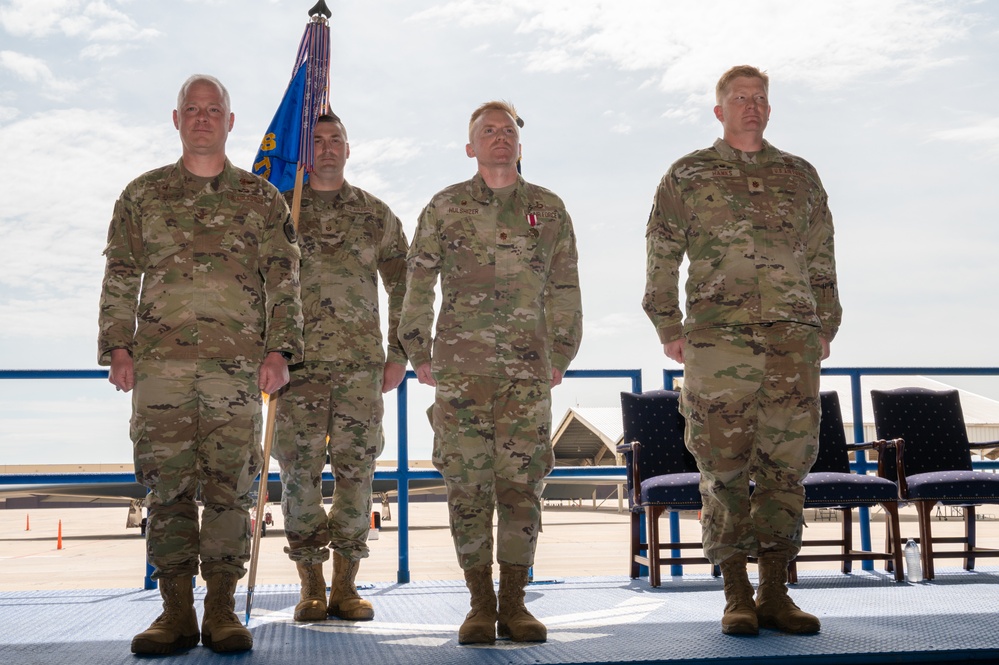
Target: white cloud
34,70
95,21
469,13
30,18
53,243
881,96
983,132
857,37
384,151
103,51
25,67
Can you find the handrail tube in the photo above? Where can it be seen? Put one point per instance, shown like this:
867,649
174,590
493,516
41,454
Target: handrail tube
403,474
861,465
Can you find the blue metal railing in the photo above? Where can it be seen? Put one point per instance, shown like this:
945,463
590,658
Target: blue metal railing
861,465
403,474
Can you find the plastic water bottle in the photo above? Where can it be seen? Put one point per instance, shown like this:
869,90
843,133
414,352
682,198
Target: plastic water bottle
913,567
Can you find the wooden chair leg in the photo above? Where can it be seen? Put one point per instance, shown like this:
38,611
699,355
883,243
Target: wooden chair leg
969,537
792,572
636,543
893,541
652,527
847,539
923,510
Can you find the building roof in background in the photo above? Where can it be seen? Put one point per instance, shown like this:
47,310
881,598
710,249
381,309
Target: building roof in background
977,410
588,436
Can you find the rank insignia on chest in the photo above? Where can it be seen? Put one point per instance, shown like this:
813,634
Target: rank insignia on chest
755,185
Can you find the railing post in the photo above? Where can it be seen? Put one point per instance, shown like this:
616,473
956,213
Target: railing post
404,474
863,513
402,575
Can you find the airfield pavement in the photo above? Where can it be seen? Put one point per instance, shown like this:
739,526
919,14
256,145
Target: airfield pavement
99,552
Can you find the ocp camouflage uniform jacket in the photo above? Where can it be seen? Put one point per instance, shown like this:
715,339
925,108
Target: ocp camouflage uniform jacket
510,305
346,244
759,236
217,266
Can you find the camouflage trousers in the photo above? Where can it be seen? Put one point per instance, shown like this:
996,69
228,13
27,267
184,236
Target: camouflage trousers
750,399
196,428
336,412
492,444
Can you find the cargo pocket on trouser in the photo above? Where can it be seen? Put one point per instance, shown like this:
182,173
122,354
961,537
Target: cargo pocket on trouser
524,458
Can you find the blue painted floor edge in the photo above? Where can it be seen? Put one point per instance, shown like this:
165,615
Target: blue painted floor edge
866,618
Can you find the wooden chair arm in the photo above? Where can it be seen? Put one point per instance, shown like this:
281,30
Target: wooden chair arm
883,446
862,445
635,448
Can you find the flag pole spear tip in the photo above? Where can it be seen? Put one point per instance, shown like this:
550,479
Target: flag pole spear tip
321,8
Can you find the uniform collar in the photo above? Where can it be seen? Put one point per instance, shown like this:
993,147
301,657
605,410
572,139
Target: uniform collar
480,191
767,154
346,193
181,178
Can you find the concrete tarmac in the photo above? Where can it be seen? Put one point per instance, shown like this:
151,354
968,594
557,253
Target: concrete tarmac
99,552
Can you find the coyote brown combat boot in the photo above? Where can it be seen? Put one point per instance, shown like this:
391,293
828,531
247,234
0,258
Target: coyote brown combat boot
221,629
514,620
345,602
312,606
740,608
479,626
177,627
774,607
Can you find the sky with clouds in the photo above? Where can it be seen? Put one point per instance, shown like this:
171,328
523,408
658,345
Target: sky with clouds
894,102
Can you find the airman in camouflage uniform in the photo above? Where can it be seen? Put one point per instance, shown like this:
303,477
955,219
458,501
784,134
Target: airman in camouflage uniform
334,401
510,322
762,307
199,312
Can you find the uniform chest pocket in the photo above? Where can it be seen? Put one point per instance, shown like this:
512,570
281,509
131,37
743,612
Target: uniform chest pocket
524,246
463,244
237,241
162,237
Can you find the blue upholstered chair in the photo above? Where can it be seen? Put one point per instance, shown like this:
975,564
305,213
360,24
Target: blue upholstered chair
662,477
935,465
831,484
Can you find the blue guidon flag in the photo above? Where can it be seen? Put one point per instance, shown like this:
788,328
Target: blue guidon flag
288,141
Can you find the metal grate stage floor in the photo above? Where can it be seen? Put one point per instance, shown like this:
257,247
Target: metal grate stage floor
866,618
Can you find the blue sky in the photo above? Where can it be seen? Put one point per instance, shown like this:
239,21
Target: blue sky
894,102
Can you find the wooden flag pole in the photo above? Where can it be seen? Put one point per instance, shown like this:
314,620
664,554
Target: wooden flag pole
296,198
269,400
271,405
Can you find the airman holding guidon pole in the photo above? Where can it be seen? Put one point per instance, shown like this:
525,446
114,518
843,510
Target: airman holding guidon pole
333,405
